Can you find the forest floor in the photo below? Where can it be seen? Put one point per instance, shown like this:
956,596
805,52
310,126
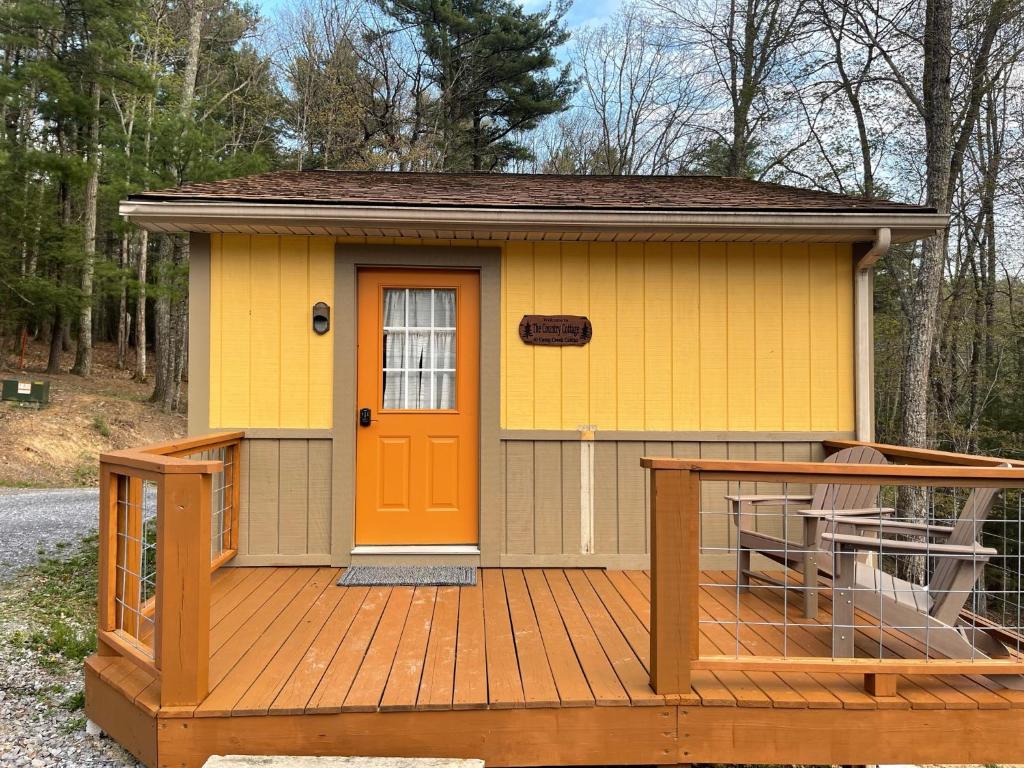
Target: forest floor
57,446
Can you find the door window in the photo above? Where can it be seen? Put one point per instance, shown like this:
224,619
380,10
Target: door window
419,349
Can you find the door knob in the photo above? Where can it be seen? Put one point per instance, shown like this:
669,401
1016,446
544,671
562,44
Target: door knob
364,417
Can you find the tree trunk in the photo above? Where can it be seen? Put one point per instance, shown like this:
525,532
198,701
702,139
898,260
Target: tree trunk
56,341
162,368
924,299
140,308
188,78
83,356
179,336
174,249
925,295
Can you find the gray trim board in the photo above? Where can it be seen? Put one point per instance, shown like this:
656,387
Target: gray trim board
198,333
274,433
349,258
540,435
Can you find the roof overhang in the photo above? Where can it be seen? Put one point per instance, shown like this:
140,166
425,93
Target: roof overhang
524,223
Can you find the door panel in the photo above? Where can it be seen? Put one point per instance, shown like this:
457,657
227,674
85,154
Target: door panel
418,374
442,473
393,488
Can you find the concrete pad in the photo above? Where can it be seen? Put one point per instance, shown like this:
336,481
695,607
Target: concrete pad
266,761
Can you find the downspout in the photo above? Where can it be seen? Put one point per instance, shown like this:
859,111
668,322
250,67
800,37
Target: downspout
864,334
880,246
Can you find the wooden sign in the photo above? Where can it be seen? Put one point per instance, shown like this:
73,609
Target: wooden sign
555,330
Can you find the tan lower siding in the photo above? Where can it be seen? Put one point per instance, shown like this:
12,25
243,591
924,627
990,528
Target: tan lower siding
542,499
285,515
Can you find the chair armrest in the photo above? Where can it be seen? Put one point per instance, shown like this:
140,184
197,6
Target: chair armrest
850,542
770,499
896,526
844,513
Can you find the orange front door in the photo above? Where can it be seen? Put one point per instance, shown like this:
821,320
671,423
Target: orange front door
417,395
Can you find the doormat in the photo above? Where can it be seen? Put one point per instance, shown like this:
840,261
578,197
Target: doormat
408,576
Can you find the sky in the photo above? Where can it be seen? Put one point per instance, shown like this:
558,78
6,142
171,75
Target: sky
582,11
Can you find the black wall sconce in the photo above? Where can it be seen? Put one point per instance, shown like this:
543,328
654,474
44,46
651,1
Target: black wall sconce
321,318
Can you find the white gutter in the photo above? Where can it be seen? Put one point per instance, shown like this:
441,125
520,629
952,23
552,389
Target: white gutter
173,213
883,239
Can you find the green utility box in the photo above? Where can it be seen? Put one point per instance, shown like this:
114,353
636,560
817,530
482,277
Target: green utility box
37,392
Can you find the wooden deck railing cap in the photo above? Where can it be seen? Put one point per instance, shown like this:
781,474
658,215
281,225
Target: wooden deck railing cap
191,444
923,455
160,464
804,471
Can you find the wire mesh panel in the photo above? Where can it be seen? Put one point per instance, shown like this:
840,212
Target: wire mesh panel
223,515
135,563
168,519
843,570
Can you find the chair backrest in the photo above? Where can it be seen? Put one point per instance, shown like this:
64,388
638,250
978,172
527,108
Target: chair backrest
838,496
966,530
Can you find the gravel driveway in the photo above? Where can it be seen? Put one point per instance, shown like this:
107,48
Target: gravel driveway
37,728
30,518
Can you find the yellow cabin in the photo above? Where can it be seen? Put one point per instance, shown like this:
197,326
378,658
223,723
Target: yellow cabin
724,316
583,392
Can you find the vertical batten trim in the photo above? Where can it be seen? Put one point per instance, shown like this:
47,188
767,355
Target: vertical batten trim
587,490
199,334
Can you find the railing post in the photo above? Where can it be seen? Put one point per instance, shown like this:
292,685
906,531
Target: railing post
182,643
105,616
675,583
236,492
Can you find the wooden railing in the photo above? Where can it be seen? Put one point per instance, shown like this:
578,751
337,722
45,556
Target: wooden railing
676,503
901,454
168,519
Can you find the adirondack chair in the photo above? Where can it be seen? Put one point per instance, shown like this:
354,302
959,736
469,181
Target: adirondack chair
817,511
930,613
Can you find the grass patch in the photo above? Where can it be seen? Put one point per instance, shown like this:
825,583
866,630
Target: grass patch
56,599
75,702
100,424
48,612
86,474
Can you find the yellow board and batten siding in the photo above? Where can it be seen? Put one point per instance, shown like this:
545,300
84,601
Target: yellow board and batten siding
687,337
737,337
267,369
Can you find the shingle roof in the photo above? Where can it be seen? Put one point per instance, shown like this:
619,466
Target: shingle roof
529,191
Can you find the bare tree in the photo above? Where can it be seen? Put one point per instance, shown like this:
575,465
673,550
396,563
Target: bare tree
749,45
641,93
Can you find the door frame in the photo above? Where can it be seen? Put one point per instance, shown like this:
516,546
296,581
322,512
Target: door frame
348,259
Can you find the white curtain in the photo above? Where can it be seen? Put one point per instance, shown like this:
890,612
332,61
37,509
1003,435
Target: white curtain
394,348
444,357
419,307
394,307
444,348
444,308
445,390
419,364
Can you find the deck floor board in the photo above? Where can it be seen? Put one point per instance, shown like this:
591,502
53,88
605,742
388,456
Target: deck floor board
289,641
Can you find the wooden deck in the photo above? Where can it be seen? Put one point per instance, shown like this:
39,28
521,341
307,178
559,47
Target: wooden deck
531,667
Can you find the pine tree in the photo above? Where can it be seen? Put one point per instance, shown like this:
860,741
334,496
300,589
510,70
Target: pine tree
494,68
